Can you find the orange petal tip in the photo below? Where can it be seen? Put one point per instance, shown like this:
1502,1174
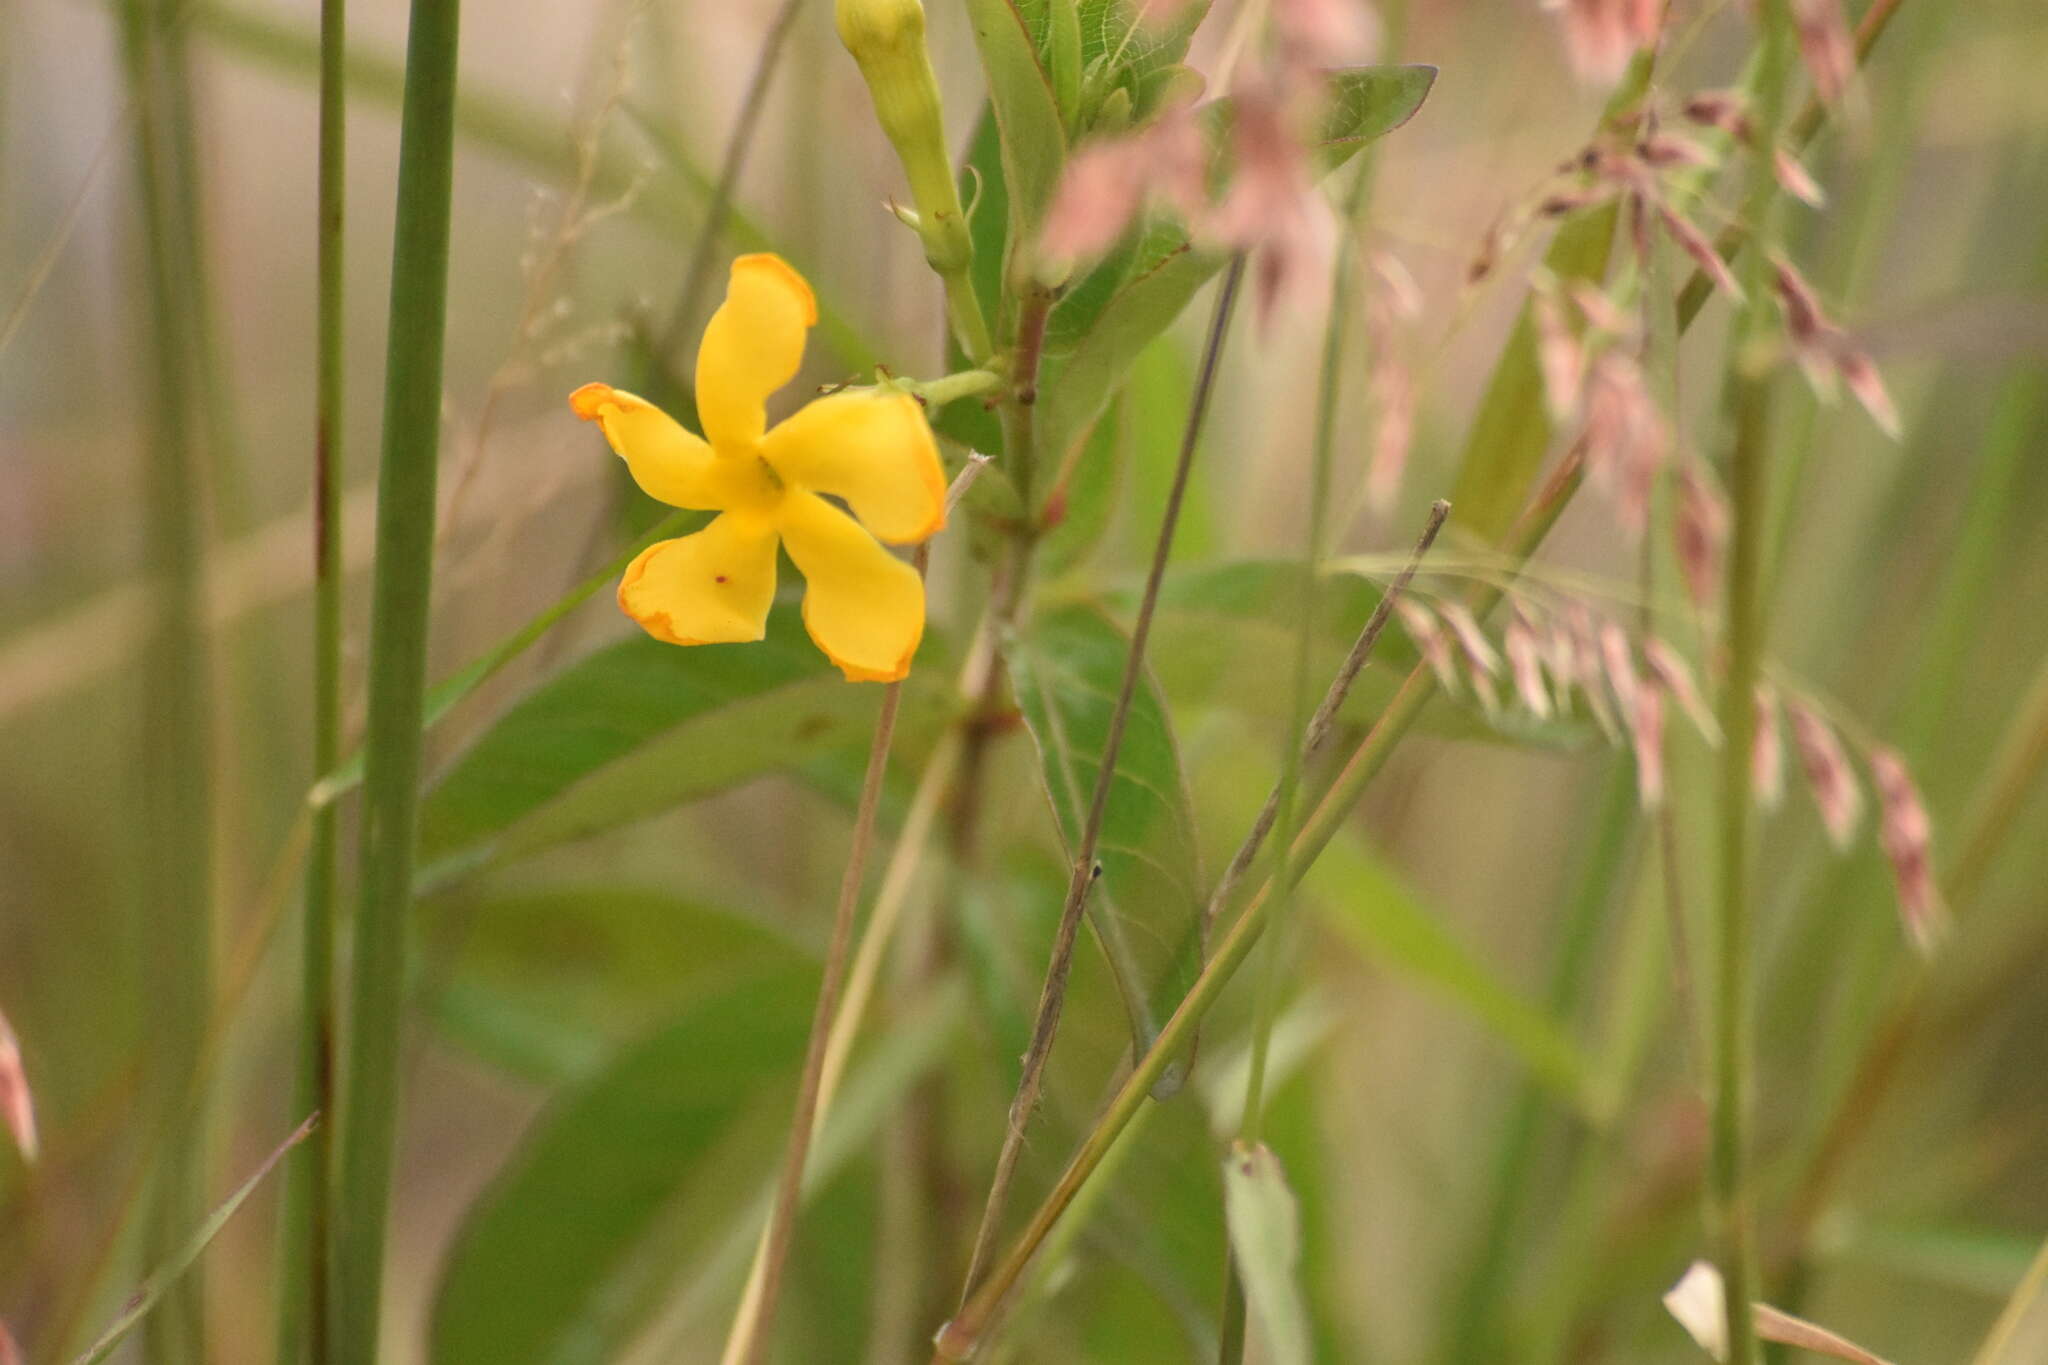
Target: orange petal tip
589,400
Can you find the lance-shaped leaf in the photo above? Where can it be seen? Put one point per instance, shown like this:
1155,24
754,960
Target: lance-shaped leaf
1146,908
1025,108
637,727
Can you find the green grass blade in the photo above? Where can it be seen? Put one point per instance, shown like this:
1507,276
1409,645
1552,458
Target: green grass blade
173,1271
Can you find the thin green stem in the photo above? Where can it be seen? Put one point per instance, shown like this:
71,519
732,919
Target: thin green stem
1081,877
1730,1195
177,752
303,1308
398,651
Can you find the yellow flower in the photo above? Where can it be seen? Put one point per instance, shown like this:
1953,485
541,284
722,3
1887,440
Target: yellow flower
870,448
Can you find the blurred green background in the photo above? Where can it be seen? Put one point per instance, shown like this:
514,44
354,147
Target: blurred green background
1911,588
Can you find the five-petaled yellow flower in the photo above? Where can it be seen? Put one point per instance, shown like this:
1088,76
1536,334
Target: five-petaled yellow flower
871,448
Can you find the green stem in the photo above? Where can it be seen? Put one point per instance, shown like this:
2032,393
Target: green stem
303,1308
1730,1197
398,649
177,755
936,393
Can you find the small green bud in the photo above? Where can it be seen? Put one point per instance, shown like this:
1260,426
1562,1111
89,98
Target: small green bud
1115,114
886,38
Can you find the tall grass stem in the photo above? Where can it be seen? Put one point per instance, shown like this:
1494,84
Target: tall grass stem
303,1309
177,789
397,665
1730,1196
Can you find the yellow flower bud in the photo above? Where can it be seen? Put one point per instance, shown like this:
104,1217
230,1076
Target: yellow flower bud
886,38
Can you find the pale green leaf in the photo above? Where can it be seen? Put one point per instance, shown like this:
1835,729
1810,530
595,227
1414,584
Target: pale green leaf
1265,1242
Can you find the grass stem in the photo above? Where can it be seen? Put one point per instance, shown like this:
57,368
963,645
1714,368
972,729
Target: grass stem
177,790
1731,1210
302,1294
397,666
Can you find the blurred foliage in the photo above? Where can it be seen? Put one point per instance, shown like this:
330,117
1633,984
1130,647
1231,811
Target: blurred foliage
1485,1124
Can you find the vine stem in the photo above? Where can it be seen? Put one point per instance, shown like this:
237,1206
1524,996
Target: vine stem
397,668
1052,994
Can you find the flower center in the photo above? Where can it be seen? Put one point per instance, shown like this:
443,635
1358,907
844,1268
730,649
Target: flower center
748,483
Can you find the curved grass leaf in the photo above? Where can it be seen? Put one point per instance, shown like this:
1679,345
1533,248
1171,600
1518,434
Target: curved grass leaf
1146,908
182,1258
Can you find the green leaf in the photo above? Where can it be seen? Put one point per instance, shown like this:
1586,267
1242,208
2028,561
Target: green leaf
644,1191
1265,1241
638,727
1147,906
533,1266
1027,115
1367,907
1118,48
549,983
1115,310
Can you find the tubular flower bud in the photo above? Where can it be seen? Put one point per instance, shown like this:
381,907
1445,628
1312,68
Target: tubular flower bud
886,38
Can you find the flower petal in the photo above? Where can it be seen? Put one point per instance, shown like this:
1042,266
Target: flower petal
713,587
670,464
873,449
863,606
752,347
